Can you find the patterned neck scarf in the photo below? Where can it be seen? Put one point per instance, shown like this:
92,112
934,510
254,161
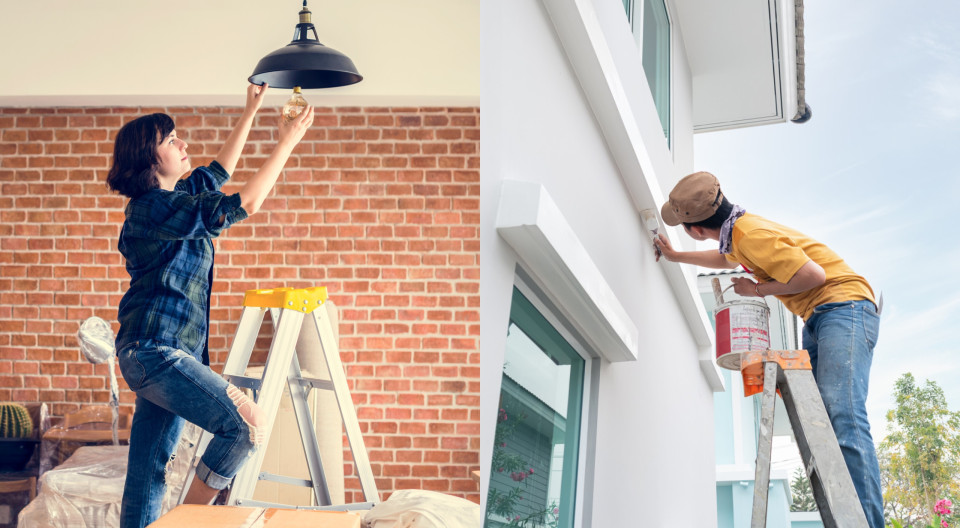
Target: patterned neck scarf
726,230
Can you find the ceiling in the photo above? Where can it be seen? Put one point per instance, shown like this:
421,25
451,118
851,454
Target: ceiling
742,60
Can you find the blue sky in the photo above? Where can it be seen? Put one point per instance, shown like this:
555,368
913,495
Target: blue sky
872,174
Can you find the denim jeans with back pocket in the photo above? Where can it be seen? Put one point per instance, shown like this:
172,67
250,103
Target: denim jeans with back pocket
840,338
171,386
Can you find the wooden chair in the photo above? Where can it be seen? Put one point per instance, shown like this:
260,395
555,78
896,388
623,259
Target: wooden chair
97,417
89,426
18,486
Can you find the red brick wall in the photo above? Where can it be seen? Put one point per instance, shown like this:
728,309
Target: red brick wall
381,205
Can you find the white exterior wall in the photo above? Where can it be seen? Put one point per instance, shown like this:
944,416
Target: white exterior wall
653,445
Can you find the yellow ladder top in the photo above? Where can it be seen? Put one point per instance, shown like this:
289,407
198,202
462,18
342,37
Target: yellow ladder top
299,299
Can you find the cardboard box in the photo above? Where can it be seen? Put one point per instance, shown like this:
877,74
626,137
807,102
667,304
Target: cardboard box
192,515
279,518
186,515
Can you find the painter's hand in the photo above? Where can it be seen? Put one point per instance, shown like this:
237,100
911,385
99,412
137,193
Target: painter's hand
292,131
745,287
255,95
666,249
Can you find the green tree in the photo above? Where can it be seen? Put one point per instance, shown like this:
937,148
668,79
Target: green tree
803,500
504,502
920,456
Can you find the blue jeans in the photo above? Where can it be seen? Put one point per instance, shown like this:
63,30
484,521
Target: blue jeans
840,338
173,385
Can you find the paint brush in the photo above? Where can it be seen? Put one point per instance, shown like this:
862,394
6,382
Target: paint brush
652,224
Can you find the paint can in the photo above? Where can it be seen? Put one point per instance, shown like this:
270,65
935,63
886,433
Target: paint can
742,325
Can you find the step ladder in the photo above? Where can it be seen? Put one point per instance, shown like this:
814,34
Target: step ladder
301,324
789,373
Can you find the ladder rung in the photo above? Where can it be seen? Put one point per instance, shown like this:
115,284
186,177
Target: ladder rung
316,383
253,383
300,299
245,382
282,479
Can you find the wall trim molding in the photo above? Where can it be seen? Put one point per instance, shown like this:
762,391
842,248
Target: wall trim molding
533,225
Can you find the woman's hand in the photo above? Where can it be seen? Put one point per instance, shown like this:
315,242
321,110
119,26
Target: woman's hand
259,185
291,132
229,153
255,95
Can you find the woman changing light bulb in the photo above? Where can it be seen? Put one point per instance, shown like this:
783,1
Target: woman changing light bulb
171,219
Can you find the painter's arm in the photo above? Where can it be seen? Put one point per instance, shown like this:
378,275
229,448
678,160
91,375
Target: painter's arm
807,277
710,258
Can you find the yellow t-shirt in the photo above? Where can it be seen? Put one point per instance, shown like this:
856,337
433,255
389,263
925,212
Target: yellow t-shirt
772,251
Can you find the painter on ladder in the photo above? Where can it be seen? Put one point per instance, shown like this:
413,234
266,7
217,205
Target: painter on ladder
841,320
167,241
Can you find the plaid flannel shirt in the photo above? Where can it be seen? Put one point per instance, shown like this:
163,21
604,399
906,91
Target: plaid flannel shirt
166,240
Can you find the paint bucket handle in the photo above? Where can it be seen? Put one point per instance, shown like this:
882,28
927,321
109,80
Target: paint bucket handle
717,292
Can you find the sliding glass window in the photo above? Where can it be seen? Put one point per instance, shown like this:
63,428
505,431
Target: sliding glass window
650,22
533,478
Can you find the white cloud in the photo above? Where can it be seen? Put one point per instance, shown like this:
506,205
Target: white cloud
847,219
932,323
938,44
937,52
942,95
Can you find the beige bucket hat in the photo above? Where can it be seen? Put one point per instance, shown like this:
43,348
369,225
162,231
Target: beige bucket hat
694,198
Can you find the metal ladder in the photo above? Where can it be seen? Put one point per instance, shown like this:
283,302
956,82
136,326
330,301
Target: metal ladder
302,323
789,372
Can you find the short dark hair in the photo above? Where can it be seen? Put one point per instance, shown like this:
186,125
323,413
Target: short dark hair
135,154
719,217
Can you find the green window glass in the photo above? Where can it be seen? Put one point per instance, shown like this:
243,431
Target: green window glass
533,478
651,28
656,58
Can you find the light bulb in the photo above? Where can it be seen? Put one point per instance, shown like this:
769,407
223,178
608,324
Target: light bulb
295,105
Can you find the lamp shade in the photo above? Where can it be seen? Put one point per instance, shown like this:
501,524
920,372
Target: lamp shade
305,62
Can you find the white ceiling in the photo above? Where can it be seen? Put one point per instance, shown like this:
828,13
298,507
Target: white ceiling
189,52
742,60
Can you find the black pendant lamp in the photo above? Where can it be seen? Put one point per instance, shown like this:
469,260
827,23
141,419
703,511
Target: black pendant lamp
305,62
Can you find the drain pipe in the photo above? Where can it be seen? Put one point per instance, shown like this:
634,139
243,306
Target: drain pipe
804,113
